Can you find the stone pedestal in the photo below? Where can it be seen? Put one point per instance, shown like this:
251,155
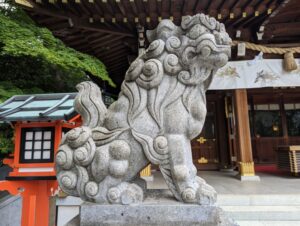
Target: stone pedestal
153,211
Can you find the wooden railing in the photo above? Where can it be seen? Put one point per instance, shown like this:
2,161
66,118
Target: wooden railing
288,158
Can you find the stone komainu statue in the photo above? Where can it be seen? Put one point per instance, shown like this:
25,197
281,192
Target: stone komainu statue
161,107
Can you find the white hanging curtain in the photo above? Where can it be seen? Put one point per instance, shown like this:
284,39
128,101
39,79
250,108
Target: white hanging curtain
255,74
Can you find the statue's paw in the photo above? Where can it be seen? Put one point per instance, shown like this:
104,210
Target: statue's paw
133,194
128,194
200,180
207,195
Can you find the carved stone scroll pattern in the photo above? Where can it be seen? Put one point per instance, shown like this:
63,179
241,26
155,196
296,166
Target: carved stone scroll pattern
161,107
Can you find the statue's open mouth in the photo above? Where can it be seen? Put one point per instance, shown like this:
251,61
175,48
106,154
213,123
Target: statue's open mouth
201,69
202,73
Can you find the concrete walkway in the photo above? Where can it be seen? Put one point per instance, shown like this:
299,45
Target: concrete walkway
272,201
227,183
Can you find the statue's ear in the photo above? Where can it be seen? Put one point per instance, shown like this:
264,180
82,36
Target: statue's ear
164,30
151,35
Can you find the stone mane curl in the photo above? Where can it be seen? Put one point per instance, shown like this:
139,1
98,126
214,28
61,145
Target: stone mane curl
192,52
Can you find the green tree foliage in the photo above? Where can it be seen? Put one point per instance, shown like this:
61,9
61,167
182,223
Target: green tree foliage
32,60
6,141
19,39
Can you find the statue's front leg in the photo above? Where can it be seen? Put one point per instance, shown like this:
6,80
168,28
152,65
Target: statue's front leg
190,187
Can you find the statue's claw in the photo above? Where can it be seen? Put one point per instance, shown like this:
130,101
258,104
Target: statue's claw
204,195
207,194
125,194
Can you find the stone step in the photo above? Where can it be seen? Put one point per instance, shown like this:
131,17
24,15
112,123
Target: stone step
10,210
259,200
268,223
263,213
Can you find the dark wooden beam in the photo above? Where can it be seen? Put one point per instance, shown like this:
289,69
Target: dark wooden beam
254,20
201,6
108,42
188,7
112,54
285,39
272,15
283,29
118,66
284,45
114,59
56,26
82,23
75,43
94,40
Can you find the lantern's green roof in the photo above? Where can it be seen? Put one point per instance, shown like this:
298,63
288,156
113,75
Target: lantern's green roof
38,107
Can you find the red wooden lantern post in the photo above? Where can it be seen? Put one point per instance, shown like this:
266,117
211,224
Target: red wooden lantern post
39,121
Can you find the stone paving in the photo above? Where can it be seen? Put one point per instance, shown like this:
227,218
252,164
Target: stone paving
227,183
272,201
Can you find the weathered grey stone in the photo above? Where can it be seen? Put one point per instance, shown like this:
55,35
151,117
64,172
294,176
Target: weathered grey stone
153,214
161,107
159,208
74,222
10,210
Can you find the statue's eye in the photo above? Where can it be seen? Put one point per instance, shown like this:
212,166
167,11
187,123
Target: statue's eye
188,55
218,38
205,51
191,55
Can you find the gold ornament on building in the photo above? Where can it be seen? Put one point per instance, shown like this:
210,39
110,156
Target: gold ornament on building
202,160
289,62
146,172
201,140
247,169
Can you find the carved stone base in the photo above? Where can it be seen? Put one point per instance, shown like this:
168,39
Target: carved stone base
153,211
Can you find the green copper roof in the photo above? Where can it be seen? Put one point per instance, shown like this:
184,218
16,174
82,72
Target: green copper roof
38,107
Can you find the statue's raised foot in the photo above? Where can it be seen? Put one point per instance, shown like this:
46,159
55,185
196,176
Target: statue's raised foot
202,194
207,194
184,182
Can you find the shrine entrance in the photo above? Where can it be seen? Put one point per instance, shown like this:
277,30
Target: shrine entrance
205,146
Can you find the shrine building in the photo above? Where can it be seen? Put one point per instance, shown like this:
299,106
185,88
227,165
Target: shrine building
253,103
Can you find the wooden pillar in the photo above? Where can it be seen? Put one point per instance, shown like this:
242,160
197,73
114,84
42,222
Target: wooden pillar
245,159
29,210
42,206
